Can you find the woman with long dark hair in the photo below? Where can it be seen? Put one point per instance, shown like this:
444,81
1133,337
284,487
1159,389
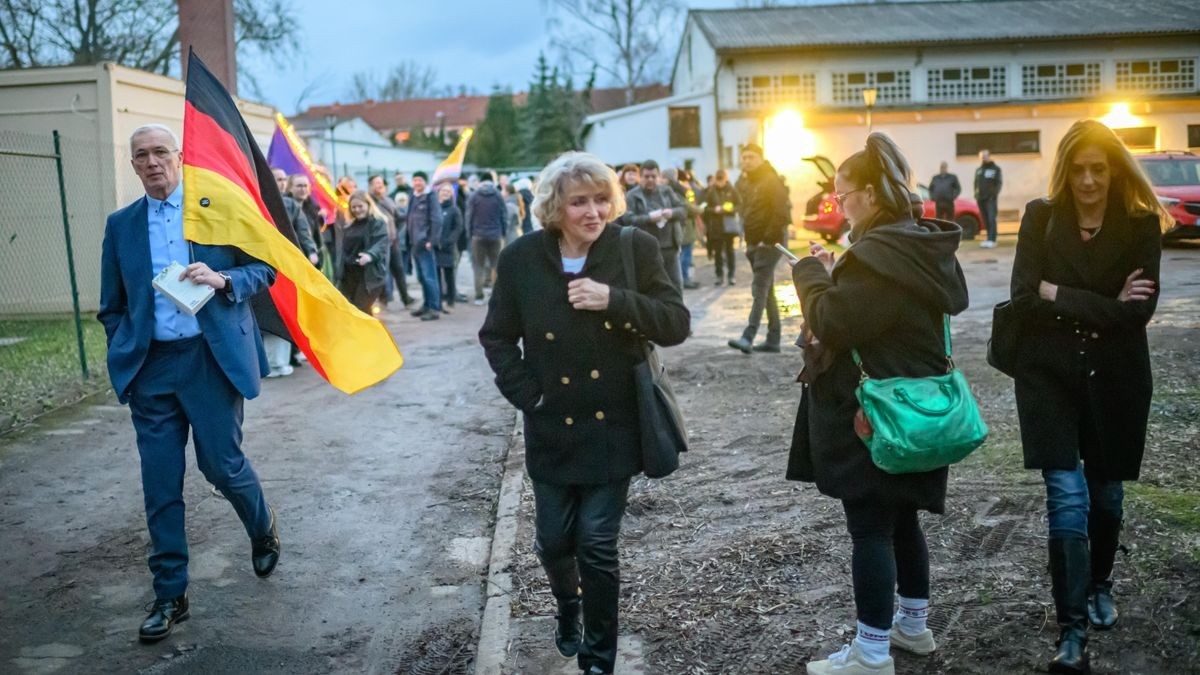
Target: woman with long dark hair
1085,284
905,271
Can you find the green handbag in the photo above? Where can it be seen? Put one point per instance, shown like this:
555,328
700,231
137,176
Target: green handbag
919,423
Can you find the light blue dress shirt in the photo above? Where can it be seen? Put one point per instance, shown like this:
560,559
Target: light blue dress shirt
165,222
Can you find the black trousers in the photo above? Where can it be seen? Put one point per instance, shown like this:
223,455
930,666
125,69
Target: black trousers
449,284
577,528
944,210
889,555
722,254
396,270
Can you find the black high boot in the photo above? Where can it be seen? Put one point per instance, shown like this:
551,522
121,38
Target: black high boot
598,652
1070,577
1104,530
564,584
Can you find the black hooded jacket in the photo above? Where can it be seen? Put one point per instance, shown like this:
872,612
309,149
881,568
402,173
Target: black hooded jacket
886,297
764,207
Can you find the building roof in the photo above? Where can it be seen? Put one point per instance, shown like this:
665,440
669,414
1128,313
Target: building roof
941,22
459,111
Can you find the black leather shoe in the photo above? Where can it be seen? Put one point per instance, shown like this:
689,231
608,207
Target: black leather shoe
720,281
164,614
741,344
1070,578
1102,611
419,311
568,631
767,348
264,552
691,285
431,315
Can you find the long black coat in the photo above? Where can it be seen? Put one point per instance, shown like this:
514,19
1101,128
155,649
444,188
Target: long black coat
906,274
1083,380
572,374
452,228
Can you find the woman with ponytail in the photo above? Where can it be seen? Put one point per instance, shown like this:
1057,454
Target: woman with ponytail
905,271
1084,285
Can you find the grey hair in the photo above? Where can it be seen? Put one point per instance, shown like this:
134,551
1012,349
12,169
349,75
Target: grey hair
567,170
154,127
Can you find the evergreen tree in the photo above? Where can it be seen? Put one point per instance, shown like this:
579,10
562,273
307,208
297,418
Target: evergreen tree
497,141
551,118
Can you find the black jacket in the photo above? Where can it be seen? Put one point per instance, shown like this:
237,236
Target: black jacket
765,213
715,215
487,213
944,187
452,229
375,242
988,180
1083,380
572,373
640,203
907,273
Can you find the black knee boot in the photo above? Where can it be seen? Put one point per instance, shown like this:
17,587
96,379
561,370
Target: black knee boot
564,584
598,651
1104,530
1070,578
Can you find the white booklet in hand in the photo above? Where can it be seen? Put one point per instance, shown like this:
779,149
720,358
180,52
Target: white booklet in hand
187,295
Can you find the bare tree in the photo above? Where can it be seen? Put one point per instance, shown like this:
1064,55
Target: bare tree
407,80
141,34
625,39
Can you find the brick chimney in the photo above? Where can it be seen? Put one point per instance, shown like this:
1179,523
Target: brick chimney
207,26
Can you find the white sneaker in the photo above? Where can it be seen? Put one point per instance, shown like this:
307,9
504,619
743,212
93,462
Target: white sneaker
920,644
851,661
479,302
987,243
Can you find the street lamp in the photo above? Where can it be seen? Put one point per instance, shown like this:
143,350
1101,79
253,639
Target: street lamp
331,121
869,99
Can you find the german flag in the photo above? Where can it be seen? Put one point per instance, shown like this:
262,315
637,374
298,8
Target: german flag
230,199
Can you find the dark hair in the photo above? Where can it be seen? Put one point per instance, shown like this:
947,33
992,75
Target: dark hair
882,166
721,173
422,175
374,176
649,164
484,175
753,147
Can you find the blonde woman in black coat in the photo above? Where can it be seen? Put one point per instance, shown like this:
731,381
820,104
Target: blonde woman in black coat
906,272
563,336
1085,284
362,258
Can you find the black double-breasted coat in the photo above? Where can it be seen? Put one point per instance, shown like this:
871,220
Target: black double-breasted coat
569,370
886,297
1082,379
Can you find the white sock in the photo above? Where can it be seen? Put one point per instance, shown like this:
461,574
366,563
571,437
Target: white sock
872,642
912,615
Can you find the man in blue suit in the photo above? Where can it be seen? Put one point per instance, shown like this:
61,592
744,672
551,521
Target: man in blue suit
178,371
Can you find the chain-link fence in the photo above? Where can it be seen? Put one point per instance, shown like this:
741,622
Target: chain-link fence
58,191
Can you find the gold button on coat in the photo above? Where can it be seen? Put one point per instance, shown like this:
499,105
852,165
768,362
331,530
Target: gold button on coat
595,374
608,325
566,380
628,326
599,414
569,421
550,336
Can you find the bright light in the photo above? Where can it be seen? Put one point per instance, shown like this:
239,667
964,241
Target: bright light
1119,117
786,141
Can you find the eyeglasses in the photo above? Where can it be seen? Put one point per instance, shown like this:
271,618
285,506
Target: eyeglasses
143,156
840,198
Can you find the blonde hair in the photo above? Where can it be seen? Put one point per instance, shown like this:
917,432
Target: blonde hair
566,171
1129,183
372,208
881,165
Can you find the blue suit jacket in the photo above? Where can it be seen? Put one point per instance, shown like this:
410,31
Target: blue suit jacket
127,304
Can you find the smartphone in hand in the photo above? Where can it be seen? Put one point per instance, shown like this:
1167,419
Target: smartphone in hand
792,259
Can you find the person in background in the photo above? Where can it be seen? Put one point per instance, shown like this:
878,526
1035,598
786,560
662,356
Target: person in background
182,373
677,180
362,261
400,185
424,232
721,213
279,348
447,248
487,220
988,181
563,335
1085,283
525,187
631,176
377,189
943,190
887,298
655,208
765,217
516,213
300,190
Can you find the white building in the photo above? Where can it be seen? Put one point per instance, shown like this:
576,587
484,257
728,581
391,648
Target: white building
357,149
951,79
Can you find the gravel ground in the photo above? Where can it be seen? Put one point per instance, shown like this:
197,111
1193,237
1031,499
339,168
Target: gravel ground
728,568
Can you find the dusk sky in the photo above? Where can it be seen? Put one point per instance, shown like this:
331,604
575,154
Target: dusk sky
480,44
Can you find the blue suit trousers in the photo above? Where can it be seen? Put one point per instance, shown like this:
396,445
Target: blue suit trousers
179,386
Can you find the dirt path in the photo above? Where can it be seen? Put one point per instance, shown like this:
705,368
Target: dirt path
728,568
384,502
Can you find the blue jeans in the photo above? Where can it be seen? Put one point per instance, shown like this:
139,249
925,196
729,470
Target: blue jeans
427,272
685,262
1070,495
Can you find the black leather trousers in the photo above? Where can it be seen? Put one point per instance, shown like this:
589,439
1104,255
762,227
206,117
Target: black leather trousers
577,528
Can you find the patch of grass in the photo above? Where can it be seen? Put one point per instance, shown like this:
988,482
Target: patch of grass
999,457
41,371
1177,508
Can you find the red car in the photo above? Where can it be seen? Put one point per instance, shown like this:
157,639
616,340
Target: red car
1176,179
823,214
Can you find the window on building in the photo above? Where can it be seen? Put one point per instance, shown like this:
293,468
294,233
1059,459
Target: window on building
761,91
1138,138
999,143
1060,80
685,127
981,83
1156,75
894,86
1194,135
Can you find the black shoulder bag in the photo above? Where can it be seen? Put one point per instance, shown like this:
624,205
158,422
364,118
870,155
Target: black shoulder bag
662,432
1007,328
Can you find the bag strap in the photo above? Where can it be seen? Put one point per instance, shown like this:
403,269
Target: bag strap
946,337
627,262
